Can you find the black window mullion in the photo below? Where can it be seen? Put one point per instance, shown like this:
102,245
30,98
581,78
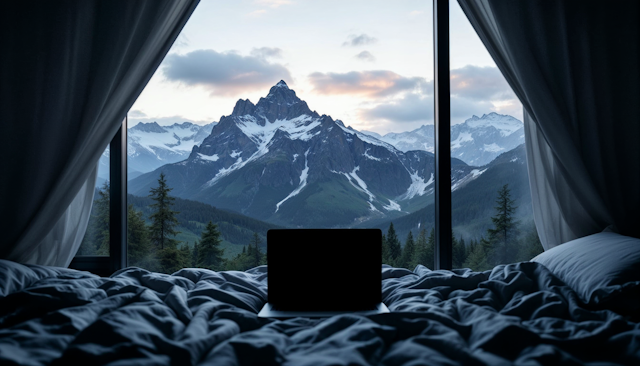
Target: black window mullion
118,199
442,108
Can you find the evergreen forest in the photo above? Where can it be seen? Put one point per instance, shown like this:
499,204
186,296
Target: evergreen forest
154,224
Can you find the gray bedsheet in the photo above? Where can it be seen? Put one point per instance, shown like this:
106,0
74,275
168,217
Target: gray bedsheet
515,314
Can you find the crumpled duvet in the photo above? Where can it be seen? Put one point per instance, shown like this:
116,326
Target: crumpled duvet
515,314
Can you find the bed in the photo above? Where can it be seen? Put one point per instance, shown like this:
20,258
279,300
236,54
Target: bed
518,313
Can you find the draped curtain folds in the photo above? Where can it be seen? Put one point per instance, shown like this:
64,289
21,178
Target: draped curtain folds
70,71
575,67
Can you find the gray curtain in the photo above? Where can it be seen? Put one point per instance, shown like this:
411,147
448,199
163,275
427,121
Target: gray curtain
575,67
69,72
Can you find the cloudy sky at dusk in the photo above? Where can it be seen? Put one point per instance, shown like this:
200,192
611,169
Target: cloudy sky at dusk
368,63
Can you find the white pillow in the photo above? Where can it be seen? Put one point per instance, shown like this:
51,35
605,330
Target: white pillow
603,268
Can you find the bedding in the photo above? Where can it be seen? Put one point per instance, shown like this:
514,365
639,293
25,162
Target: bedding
514,314
603,268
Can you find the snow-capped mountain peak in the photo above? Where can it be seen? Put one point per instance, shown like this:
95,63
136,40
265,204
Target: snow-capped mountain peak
281,84
503,123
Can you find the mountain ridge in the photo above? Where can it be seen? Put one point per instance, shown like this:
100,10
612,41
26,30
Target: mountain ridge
476,141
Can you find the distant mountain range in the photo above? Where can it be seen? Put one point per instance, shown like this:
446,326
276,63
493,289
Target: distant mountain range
151,146
476,141
280,162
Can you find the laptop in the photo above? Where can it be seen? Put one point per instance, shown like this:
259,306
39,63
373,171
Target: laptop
323,272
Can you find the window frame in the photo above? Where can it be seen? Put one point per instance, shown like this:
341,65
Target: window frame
117,259
442,124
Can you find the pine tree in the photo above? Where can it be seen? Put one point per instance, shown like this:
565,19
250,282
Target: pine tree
171,259
209,251
140,252
256,255
393,243
194,255
408,252
459,252
426,249
501,245
385,250
477,259
185,255
163,219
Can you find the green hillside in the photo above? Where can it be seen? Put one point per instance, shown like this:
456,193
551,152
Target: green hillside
473,204
236,229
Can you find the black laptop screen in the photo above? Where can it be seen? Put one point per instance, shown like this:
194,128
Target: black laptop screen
324,269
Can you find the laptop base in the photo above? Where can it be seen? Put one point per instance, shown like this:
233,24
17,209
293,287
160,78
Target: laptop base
268,312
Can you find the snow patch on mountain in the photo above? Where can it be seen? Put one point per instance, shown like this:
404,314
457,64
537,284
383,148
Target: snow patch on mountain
392,206
462,138
370,157
492,147
303,181
297,128
364,137
213,157
418,186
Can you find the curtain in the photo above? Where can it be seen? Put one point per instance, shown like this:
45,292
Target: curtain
70,71
575,67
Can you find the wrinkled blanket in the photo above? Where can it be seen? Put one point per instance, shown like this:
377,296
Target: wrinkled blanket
515,314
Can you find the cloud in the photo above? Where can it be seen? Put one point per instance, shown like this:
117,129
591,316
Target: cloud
365,56
474,90
410,108
416,13
257,13
480,83
136,113
266,52
223,73
377,83
361,40
273,3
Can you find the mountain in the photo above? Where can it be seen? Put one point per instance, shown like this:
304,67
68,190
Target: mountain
150,146
473,204
280,162
476,141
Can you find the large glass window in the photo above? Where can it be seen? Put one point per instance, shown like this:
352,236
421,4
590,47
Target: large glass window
491,201
327,121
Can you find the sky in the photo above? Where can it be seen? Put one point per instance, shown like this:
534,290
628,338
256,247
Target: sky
367,63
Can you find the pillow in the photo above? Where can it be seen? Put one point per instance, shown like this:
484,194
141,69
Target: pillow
603,269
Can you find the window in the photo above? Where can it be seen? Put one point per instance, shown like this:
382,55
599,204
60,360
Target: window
318,117
103,249
492,215
202,191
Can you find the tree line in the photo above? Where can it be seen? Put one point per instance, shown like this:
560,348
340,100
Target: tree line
154,247
505,242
